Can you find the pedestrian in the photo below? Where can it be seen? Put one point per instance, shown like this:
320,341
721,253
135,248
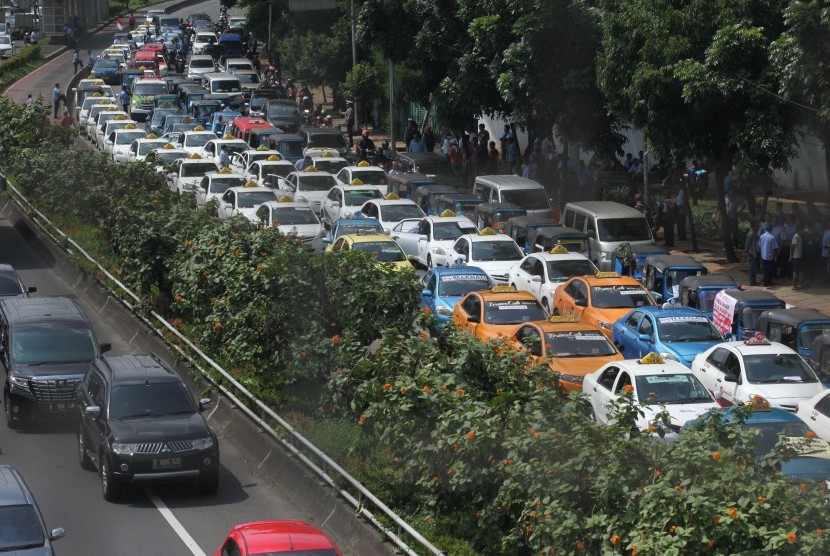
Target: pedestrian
493,158
796,256
66,120
376,103
429,139
751,250
417,145
483,135
682,212
224,158
124,97
505,139
349,115
668,216
68,35
76,61
784,262
90,59
393,171
768,248
57,97
456,159
512,155
218,125
409,133
30,101
132,21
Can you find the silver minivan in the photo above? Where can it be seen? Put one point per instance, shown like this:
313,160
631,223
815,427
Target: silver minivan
522,192
222,84
608,224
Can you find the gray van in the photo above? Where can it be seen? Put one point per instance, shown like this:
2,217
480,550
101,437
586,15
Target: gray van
522,192
608,224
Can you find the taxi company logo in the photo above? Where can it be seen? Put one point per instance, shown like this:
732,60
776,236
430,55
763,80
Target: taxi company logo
165,449
60,383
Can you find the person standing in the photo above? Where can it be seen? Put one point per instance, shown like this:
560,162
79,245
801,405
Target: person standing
493,158
124,97
768,247
30,101
429,139
132,21
376,103
76,61
57,97
224,158
90,59
349,115
682,213
668,212
751,249
796,255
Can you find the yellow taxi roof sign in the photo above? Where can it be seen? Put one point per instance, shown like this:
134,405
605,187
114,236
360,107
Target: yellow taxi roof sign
392,197
606,275
356,182
262,148
503,289
112,109
130,126
199,128
274,158
327,154
97,94
310,169
447,213
251,183
363,164
187,120
285,199
228,137
559,250
194,156
169,146
652,359
563,318
488,231
151,136
120,118
226,170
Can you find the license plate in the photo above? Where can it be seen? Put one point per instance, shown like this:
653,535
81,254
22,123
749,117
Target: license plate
167,463
61,406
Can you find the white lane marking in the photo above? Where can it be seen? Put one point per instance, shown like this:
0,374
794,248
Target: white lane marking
174,523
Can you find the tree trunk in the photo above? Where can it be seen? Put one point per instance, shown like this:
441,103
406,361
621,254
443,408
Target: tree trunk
824,135
723,165
690,218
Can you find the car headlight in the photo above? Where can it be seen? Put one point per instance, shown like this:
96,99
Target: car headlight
439,251
606,325
19,381
443,310
125,448
202,443
669,356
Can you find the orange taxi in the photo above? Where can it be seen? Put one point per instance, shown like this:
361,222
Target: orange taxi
569,347
600,299
495,313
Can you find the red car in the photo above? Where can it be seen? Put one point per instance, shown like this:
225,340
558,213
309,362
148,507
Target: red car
276,537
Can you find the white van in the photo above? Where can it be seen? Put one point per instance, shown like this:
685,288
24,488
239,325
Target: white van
222,84
522,192
607,224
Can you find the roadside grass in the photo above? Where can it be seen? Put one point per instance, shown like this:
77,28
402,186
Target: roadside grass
8,78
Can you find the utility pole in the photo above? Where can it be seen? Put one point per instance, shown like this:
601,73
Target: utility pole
270,9
392,103
354,63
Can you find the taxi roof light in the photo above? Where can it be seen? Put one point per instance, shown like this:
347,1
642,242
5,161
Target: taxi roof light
356,182
758,339
327,154
488,231
363,164
559,250
652,359
503,289
447,213
274,158
262,148
392,197
606,275
310,169
563,318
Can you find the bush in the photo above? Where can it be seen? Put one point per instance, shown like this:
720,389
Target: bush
620,194
24,56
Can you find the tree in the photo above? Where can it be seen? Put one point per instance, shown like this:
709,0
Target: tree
802,57
694,77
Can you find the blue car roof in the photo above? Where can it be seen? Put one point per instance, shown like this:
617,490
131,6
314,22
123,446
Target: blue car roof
347,221
445,270
679,312
771,415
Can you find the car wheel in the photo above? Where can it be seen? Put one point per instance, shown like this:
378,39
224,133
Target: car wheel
83,457
10,421
208,483
110,489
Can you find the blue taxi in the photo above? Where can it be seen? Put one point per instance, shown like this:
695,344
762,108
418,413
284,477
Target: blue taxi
354,226
676,333
443,287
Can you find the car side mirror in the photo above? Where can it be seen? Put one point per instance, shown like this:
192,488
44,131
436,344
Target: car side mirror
658,297
581,303
423,238
730,378
426,293
105,347
644,337
57,533
335,203
93,411
326,240
31,289
204,403
536,278
473,318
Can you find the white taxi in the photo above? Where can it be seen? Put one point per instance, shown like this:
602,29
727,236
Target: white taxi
654,385
214,185
195,141
429,240
291,218
304,186
741,371
188,173
275,166
541,273
816,413
245,201
243,160
343,201
489,250
162,159
391,210
140,148
213,148
119,141
364,173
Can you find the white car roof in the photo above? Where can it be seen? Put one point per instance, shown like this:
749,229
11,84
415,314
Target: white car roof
243,189
388,202
474,238
449,219
302,174
291,204
636,368
364,169
772,348
545,256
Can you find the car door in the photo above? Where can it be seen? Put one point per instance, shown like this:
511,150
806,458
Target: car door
471,307
343,176
460,249
626,336
340,245
226,207
521,277
430,283
645,337
536,281
369,210
532,341
602,392
327,213
819,417
424,240
95,428
202,191
711,371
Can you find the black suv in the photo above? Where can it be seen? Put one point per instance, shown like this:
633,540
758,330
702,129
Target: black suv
325,138
46,344
139,423
22,529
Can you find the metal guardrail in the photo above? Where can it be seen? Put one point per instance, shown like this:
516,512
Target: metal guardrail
358,497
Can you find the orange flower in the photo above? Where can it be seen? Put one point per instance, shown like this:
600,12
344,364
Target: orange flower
716,520
336,339
187,243
387,387
615,539
404,390
820,532
710,544
237,251
427,389
260,267
803,487
761,500
426,310
628,388
672,529
436,479
633,551
205,273
459,391
580,545
212,300
716,456
791,537
657,473
430,520
156,201
217,326
263,254
471,435
362,418
303,354
423,335
732,512
651,429
443,387
449,470
811,434
179,299
534,515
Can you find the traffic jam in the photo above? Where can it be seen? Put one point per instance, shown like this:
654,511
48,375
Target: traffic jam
587,293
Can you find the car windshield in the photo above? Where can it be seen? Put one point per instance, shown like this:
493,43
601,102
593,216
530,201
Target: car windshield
220,185
768,434
624,229
316,183
149,89
443,231
146,146
198,139
291,149
772,368
706,300
282,170
5,40
370,177
248,78
330,166
384,251
674,277
19,528
197,169
9,285
225,86
52,344
201,63
671,389
250,199
147,400
205,37
458,285
278,110
105,63
496,250
344,229
578,344
293,216
327,140
687,329
356,197
513,312
400,212
165,157
810,332
560,271
749,316
127,137
528,199
619,297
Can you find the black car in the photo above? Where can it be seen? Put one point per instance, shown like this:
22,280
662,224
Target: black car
46,344
283,113
256,106
140,424
22,528
11,285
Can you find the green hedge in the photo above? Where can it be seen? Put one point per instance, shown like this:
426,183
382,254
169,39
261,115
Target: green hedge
27,54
